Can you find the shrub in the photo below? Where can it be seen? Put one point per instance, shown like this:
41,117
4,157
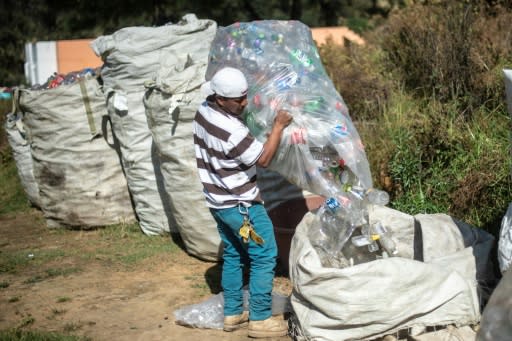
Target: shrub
357,76
453,51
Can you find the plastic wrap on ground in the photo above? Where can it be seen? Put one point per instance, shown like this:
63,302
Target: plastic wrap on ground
209,314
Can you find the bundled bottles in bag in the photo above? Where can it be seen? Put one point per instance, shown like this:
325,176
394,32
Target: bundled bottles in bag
58,79
320,151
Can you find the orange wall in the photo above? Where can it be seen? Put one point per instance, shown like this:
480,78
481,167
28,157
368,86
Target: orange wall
75,55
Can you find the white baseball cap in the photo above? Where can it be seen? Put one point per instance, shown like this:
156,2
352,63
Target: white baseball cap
227,82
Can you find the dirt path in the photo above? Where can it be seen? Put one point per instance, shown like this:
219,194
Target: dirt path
102,301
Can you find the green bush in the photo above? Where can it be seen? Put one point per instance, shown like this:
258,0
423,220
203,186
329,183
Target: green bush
426,94
358,77
452,51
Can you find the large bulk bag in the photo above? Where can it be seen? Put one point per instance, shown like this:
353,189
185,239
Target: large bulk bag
508,89
76,165
171,103
435,282
141,162
496,323
22,156
132,56
505,241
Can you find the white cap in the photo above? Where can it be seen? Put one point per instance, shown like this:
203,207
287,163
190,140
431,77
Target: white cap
227,82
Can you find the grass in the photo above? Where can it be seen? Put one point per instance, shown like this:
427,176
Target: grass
51,273
63,299
12,195
440,161
121,246
13,299
13,261
127,246
21,335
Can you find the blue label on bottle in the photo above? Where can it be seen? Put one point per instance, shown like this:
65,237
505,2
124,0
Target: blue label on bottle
332,204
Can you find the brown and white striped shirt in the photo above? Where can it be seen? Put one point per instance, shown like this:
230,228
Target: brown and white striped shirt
226,155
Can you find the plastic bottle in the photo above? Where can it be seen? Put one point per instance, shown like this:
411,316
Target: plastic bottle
377,197
385,239
301,58
348,179
341,222
372,195
357,252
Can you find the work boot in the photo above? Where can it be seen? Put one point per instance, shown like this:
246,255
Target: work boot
235,322
274,326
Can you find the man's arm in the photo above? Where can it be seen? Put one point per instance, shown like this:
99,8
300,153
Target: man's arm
282,120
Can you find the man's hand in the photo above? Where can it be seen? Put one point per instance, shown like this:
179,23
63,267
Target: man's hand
283,118
281,121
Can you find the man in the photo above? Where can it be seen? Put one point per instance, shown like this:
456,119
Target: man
227,155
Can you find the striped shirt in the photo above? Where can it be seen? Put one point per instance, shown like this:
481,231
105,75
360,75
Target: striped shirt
226,155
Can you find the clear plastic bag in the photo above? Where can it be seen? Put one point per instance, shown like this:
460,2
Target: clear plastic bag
284,71
320,151
209,314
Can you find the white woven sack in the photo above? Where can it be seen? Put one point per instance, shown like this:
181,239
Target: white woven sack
133,55
22,157
81,183
505,241
508,88
496,323
373,299
141,162
171,103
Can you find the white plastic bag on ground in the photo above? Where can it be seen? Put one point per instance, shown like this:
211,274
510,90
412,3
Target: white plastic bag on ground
80,179
384,296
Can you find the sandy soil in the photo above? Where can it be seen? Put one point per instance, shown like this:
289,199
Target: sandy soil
103,302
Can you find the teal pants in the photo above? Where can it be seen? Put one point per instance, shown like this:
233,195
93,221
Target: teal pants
261,260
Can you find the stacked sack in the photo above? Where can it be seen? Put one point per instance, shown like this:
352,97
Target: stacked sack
133,55
171,101
16,137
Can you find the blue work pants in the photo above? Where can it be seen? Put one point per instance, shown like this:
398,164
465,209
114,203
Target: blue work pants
260,258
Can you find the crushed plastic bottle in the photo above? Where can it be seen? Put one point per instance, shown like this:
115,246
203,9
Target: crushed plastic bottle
342,220
377,197
384,238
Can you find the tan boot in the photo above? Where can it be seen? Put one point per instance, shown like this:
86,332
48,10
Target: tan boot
235,322
274,326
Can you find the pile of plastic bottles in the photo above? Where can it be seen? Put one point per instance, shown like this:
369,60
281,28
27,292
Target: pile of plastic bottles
58,79
321,150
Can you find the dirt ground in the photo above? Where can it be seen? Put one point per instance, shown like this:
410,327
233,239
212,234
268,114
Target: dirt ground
102,301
